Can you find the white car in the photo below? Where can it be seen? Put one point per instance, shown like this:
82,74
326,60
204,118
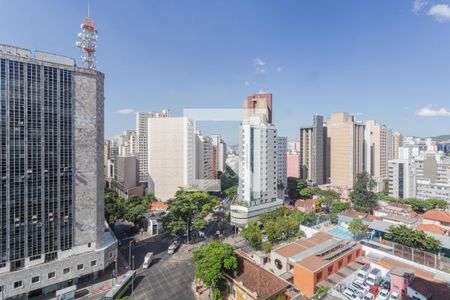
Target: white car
394,296
351,293
383,295
369,296
362,285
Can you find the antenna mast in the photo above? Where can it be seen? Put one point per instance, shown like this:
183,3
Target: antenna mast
87,41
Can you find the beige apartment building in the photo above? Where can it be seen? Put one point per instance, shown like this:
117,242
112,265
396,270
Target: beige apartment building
171,155
346,148
397,142
378,152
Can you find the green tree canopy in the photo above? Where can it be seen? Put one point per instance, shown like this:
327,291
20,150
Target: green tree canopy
211,261
292,188
338,207
412,238
363,198
187,207
252,234
357,227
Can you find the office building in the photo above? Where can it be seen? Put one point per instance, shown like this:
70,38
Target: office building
171,155
52,225
346,149
397,142
142,138
281,166
313,165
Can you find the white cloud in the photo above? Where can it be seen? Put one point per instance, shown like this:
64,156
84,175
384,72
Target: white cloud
418,5
260,71
259,62
247,83
279,69
125,111
440,12
430,111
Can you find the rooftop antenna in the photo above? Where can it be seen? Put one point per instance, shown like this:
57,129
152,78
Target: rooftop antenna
87,41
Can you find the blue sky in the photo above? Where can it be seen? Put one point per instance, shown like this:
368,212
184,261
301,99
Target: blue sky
385,60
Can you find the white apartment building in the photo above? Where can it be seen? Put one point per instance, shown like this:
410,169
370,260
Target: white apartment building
257,171
205,164
282,144
128,143
220,153
171,155
142,137
433,177
402,179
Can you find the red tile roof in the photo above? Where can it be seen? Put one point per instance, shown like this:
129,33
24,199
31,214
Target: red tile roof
157,205
256,279
437,215
307,202
431,228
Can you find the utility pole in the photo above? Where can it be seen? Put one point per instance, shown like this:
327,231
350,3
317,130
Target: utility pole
132,279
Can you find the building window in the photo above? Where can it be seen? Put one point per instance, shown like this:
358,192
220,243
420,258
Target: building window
51,275
278,264
80,267
66,271
18,284
35,279
2,288
93,263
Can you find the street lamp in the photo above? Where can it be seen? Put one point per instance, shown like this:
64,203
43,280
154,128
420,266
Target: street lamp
132,278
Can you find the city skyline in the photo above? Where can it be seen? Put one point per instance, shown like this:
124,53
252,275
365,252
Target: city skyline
309,56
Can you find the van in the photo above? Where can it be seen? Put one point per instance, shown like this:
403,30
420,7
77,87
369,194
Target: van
173,247
363,272
351,293
147,260
374,277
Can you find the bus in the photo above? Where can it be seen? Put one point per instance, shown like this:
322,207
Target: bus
121,288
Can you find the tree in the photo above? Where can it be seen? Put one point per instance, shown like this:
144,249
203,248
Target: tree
321,290
211,261
363,198
114,208
356,227
308,193
266,247
274,230
188,207
338,207
301,184
438,203
252,234
282,223
334,218
412,238
136,207
231,192
327,198
292,188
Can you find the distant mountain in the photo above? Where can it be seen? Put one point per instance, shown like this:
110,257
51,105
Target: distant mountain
441,138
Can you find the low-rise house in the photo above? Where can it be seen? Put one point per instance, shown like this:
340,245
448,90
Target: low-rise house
309,205
393,208
437,217
252,282
432,228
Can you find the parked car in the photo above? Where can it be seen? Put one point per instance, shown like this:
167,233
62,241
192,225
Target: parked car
374,290
394,296
369,296
374,277
173,247
147,260
386,285
363,285
351,293
363,272
383,295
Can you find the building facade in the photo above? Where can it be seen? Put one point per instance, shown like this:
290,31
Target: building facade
281,166
397,142
52,226
346,149
402,178
171,155
219,153
313,165
142,119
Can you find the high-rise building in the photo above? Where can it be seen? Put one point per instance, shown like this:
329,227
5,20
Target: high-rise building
220,153
52,225
258,159
142,137
378,151
397,142
260,104
402,178
293,165
282,166
128,143
126,177
433,177
313,139
171,155
205,169
346,149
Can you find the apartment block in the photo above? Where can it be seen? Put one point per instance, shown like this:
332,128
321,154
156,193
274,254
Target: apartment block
402,178
281,166
346,148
